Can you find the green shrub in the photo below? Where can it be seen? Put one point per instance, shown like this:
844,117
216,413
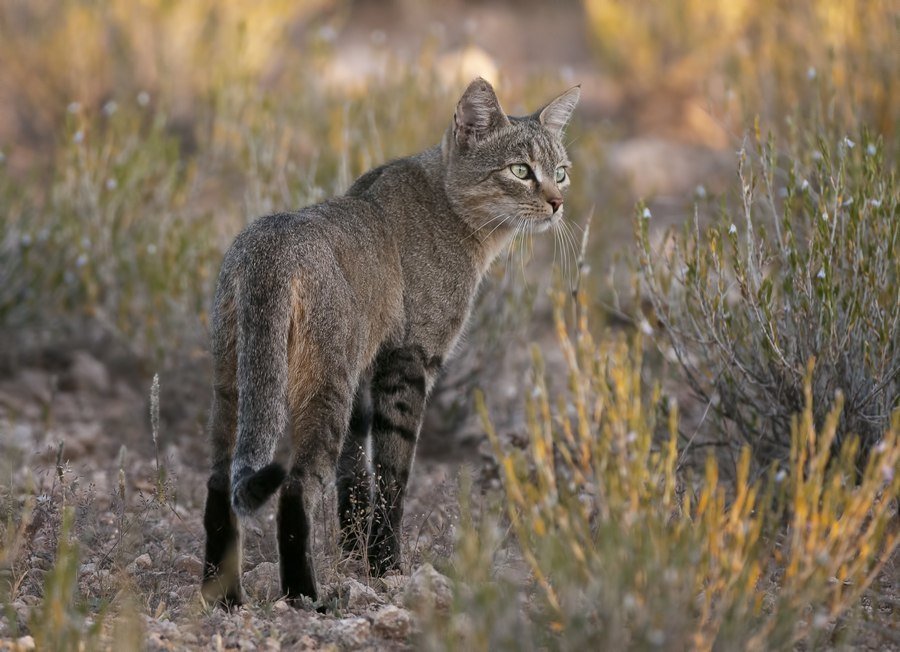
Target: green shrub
805,267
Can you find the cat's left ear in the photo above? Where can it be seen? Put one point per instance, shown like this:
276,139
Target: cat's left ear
477,114
556,115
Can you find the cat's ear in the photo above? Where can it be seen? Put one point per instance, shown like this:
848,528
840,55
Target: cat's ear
477,114
556,115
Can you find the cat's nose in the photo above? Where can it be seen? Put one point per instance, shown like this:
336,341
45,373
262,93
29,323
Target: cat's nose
555,202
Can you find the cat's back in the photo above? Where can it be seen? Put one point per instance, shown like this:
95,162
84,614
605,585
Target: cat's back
330,222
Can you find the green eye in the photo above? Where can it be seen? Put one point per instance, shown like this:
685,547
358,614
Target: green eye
560,174
520,170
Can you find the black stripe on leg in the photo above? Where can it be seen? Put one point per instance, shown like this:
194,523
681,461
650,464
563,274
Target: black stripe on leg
415,383
383,423
297,577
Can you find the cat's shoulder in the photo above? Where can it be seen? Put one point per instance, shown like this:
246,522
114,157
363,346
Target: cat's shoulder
407,171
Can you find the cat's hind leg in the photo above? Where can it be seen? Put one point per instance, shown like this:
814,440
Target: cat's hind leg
354,480
222,567
319,426
399,388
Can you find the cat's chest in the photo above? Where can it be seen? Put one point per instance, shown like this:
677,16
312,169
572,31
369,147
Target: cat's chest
437,308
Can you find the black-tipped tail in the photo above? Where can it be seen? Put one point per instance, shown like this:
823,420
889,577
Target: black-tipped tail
252,489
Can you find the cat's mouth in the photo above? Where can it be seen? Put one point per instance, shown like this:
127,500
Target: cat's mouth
544,223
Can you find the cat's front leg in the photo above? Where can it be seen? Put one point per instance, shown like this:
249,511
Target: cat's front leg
399,388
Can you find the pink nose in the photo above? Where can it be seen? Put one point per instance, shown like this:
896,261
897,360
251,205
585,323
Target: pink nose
555,202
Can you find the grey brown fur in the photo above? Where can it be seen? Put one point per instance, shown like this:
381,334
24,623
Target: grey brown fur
333,322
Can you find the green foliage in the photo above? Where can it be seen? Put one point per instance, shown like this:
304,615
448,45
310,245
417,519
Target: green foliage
807,266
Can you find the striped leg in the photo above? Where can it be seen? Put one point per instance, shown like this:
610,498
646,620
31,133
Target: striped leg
398,397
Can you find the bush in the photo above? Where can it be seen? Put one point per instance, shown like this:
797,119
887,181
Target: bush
807,267
621,553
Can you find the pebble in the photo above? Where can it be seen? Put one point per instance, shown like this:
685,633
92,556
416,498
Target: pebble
25,643
189,564
143,561
393,622
392,583
353,632
427,587
358,595
262,581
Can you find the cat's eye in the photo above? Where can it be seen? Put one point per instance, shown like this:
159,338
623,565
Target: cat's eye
520,170
560,174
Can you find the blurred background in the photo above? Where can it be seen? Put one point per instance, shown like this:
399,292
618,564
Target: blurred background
137,137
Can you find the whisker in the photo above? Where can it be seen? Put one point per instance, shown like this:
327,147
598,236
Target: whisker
501,216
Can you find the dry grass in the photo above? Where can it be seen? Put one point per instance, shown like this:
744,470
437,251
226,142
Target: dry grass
140,137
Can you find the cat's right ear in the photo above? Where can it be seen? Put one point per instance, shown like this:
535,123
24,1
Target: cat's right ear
477,114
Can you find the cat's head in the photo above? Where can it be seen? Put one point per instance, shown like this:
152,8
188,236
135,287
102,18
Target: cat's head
505,172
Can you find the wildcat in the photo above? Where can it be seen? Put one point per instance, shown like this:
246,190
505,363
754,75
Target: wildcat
333,322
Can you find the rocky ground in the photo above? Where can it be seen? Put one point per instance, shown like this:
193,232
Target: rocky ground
77,434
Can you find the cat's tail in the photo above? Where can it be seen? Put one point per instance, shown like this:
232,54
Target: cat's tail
263,309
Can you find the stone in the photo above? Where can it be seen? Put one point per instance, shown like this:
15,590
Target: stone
25,643
143,562
352,632
394,583
392,622
263,581
189,564
428,588
359,596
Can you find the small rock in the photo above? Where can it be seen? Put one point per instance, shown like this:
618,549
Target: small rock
86,373
393,622
429,588
188,593
24,643
353,632
394,583
262,582
23,612
37,384
359,596
143,562
87,568
189,564
281,607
